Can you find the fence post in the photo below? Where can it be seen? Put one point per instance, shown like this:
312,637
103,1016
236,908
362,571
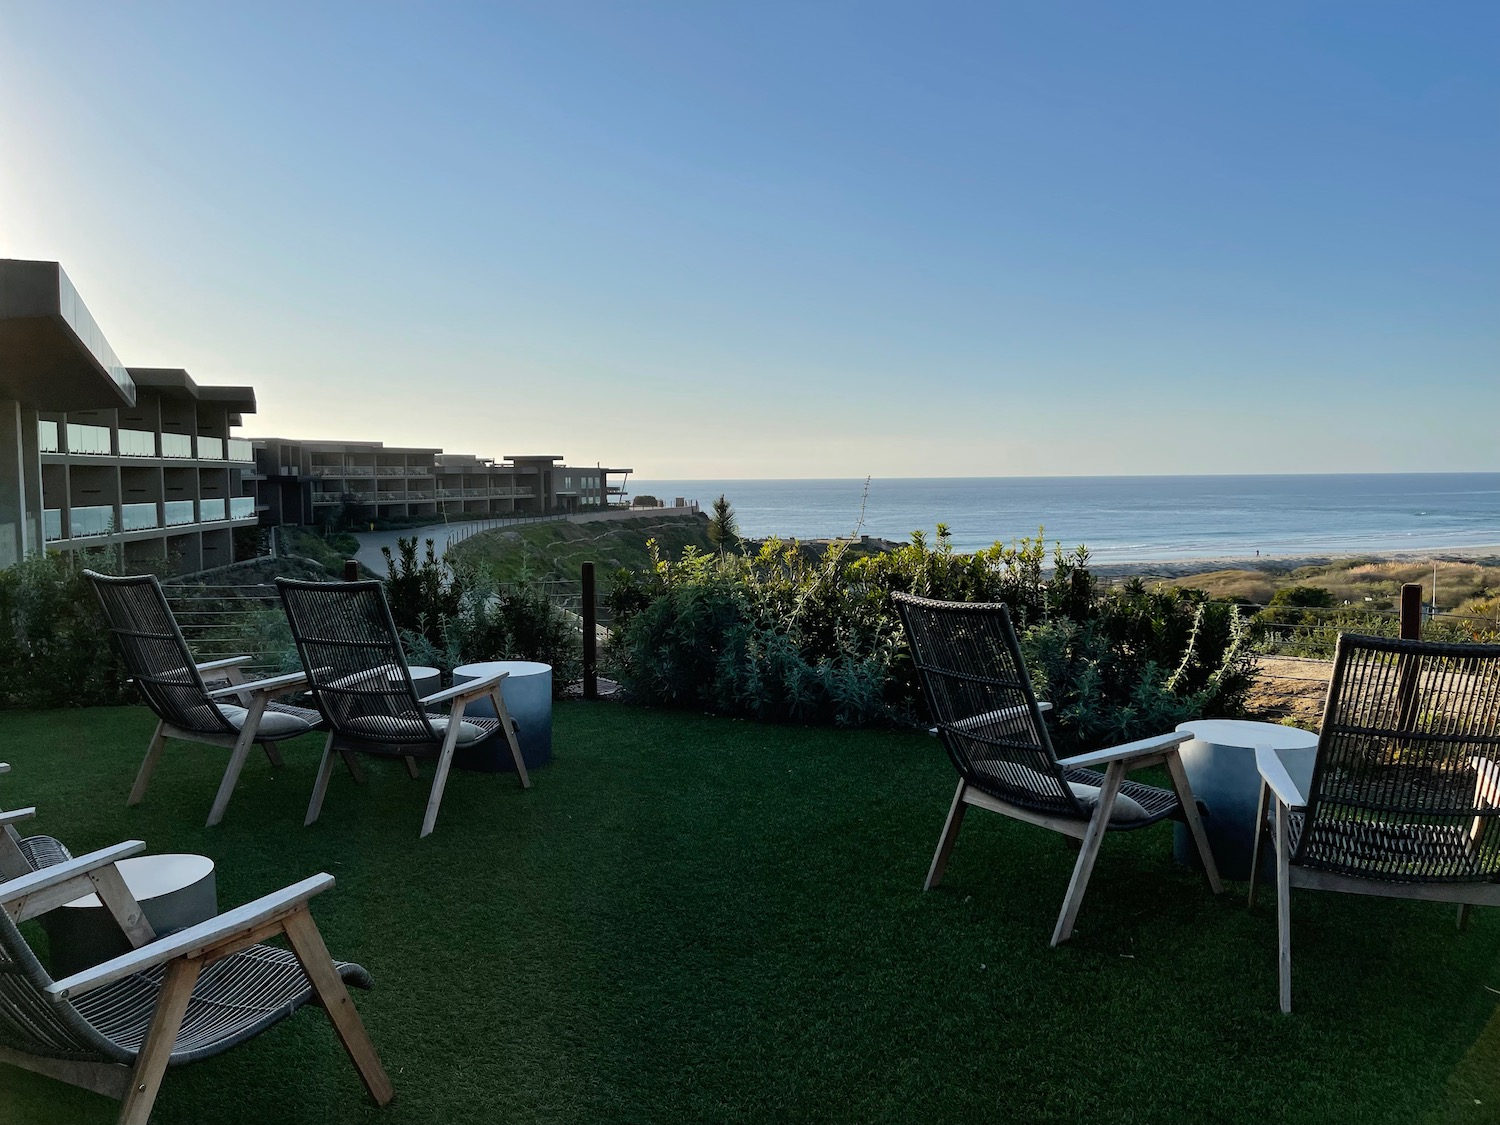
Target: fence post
590,635
1411,612
351,570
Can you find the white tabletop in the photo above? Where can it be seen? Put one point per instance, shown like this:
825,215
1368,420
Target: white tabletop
1249,734
150,876
516,668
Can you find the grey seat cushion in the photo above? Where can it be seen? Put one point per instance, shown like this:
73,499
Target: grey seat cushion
273,724
394,728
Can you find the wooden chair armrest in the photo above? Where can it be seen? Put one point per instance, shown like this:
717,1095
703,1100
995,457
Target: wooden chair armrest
1153,747
276,685
471,690
1274,774
220,665
17,814
214,939
15,893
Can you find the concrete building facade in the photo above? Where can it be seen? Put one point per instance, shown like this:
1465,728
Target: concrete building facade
95,454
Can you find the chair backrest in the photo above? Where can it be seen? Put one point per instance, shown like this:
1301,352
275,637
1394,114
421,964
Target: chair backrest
980,698
354,661
1406,786
158,659
32,1022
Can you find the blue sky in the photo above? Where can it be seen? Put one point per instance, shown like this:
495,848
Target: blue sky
811,239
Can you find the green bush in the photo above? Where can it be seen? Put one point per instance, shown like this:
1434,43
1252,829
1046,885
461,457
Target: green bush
452,613
53,648
779,635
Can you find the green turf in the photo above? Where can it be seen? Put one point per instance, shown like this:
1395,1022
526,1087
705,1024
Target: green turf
690,919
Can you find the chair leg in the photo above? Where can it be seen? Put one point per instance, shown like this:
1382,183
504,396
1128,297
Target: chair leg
307,943
151,1061
1261,808
440,779
510,736
320,786
411,767
1194,822
1463,916
1092,838
148,766
237,757
351,763
273,755
1283,907
949,837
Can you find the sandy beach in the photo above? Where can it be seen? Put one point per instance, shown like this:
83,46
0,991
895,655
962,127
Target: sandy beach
1281,564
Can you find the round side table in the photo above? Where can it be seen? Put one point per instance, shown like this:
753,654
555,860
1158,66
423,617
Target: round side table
527,691
174,890
426,680
1220,766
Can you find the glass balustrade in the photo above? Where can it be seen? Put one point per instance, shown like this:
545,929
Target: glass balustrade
137,443
51,524
89,439
210,448
211,509
96,519
177,512
134,517
240,450
241,507
47,439
176,445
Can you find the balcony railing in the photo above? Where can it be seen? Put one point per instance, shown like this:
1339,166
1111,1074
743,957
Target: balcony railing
390,471
137,517
240,449
211,508
419,470
210,449
177,512
343,470
89,439
137,443
176,445
325,497
419,494
96,519
241,507
51,524
47,439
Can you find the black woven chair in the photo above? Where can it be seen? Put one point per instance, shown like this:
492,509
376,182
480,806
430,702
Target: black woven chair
239,715
115,1028
989,720
21,855
1404,799
353,658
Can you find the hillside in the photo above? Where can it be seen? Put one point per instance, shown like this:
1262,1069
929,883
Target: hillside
554,551
1462,586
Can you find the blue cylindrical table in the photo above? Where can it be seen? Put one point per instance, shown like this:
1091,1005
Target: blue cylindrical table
1220,766
527,691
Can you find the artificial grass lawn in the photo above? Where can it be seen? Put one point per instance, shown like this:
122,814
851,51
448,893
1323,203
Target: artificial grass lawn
693,919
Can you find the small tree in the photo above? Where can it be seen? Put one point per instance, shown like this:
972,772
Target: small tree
723,531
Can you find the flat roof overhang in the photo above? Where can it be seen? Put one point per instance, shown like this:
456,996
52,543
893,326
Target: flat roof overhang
52,354
175,382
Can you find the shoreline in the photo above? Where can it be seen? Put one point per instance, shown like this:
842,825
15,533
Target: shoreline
1282,563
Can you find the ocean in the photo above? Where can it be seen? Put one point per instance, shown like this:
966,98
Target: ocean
1130,519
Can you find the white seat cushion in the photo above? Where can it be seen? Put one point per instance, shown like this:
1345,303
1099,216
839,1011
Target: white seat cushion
395,726
273,724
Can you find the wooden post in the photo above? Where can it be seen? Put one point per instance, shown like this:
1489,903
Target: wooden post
351,571
1411,611
590,635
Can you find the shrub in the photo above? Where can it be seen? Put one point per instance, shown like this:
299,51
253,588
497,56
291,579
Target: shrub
780,635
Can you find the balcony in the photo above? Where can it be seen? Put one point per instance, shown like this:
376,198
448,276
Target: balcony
48,441
51,525
325,498
90,440
178,512
211,508
176,445
95,519
419,494
138,517
419,470
240,450
390,471
210,449
242,507
137,443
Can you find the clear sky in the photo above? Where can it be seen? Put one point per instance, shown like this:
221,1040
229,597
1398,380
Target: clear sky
804,239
